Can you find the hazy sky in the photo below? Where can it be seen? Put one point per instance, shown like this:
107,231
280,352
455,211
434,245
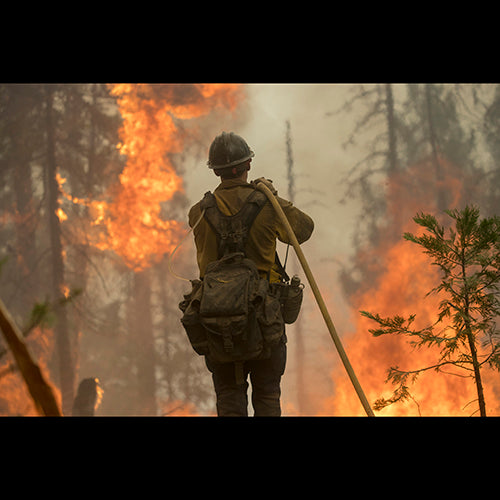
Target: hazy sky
319,160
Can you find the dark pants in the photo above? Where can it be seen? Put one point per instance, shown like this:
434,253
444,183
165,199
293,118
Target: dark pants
265,376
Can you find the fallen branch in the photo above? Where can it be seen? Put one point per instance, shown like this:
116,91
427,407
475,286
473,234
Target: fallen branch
39,389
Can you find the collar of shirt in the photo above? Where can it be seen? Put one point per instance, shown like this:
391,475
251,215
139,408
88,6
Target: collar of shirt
231,183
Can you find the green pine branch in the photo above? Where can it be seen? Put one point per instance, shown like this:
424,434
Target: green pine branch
468,255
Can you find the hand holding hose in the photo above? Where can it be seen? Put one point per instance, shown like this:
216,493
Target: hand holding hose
267,182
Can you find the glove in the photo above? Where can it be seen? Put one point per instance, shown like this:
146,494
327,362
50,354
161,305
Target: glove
267,182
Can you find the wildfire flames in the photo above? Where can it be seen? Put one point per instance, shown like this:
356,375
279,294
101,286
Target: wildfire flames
133,223
400,289
134,219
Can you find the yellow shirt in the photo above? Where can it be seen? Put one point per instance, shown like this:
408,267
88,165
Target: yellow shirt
261,244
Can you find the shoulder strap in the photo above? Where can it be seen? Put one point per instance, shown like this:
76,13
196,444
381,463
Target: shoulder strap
232,230
252,207
208,201
212,212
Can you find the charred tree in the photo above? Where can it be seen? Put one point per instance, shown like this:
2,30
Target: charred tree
440,190
18,128
87,398
391,129
25,207
382,116
61,328
490,127
141,324
299,338
289,163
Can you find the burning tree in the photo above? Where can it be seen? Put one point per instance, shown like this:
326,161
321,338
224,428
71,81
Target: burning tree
407,125
92,198
466,328
425,152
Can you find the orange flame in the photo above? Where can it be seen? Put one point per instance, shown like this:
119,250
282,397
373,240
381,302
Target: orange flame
15,399
150,134
401,289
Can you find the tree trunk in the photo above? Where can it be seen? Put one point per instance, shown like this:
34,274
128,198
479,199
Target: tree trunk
18,112
472,344
441,191
63,347
477,374
392,153
83,248
141,323
391,128
25,221
299,338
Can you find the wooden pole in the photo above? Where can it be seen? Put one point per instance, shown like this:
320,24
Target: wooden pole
38,387
319,299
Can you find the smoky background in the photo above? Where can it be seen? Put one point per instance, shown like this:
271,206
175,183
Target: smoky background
350,152
319,165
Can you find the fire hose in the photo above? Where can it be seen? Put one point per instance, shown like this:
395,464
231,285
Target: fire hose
319,299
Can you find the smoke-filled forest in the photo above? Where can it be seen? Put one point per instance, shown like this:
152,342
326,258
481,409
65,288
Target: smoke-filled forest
97,181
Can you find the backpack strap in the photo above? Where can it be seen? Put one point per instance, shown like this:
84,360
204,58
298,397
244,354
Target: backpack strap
232,230
281,270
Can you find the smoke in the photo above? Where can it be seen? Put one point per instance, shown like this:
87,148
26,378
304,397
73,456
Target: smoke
320,164
173,125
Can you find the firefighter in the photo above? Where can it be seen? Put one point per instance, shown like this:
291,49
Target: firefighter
230,158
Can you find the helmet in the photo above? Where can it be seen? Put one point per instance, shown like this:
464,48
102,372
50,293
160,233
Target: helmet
227,150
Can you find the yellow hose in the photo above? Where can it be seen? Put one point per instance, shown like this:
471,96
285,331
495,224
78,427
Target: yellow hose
319,299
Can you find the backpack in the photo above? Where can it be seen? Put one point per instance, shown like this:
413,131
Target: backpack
232,314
